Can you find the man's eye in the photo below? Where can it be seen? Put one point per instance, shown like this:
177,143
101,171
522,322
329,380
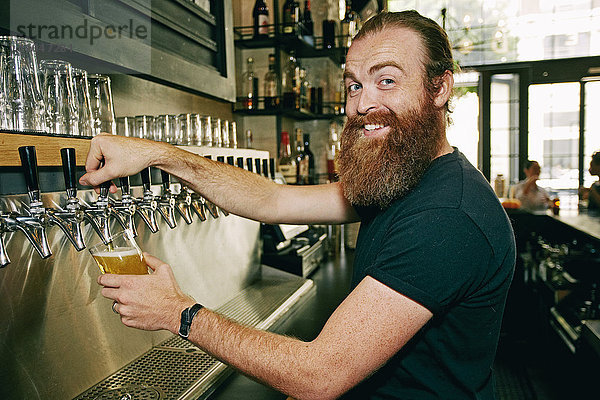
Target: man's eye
387,81
353,87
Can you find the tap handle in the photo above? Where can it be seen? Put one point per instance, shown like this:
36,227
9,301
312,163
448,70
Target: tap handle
146,182
249,164
265,167
166,181
69,166
105,188
240,162
257,165
272,168
30,168
230,160
125,186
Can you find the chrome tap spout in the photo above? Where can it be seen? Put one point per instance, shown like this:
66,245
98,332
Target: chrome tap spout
70,223
34,230
4,259
198,206
166,202
127,207
183,202
146,208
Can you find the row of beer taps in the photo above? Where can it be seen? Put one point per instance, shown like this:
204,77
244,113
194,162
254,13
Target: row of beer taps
35,219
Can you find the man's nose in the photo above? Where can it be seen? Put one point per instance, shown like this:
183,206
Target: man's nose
368,101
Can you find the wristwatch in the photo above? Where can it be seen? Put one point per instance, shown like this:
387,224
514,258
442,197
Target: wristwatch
187,316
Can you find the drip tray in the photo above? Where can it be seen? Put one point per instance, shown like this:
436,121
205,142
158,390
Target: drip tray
178,370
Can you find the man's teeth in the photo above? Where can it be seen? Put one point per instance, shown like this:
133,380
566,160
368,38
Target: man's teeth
372,127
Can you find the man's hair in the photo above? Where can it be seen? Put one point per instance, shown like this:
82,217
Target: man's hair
596,157
438,51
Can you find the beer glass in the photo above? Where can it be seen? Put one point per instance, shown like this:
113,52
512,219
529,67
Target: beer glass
103,110
126,126
21,100
225,133
233,141
62,115
164,128
120,256
217,139
195,130
82,99
206,130
183,129
144,127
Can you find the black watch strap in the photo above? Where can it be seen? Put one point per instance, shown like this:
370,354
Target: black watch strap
187,316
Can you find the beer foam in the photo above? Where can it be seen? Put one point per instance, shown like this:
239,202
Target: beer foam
118,252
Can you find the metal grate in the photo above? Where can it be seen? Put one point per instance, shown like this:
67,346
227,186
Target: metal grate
176,369
168,372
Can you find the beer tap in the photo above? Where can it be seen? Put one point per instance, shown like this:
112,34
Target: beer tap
33,225
127,206
4,259
99,214
184,204
212,208
70,218
147,206
166,202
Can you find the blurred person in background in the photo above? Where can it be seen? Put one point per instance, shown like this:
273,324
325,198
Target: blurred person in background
592,194
527,191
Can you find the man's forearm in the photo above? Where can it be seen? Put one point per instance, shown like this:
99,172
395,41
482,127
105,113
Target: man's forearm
284,363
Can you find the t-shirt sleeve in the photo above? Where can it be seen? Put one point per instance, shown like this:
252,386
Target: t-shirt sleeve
434,258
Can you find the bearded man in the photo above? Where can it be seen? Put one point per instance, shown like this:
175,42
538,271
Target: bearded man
435,252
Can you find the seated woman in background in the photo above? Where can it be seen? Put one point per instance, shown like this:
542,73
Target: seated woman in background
592,194
531,196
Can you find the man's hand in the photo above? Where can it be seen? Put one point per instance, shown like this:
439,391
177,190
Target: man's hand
113,156
150,302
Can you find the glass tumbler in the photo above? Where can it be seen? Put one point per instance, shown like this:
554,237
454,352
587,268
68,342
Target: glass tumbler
126,126
21,100
144,125
217,139
195,130
103,110
206,121
82,99
62,115
164,128
183,129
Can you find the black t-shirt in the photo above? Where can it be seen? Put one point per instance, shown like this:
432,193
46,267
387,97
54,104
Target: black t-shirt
447,245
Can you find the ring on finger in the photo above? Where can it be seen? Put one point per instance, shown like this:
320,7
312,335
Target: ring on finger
113,307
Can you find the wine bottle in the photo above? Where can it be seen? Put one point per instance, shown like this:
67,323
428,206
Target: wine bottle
307,21
270,86
249,96
312,174
260,14
287,164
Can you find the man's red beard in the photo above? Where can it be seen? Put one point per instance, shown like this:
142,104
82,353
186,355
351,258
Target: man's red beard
376,171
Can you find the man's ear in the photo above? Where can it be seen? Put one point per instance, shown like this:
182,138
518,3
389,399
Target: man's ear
444,85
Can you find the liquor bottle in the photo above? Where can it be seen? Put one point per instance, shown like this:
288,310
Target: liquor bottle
291,17
287,164
307,21
301,160
332,150
270,86
261,19
348,25
304,90
249,87
290,83
312,173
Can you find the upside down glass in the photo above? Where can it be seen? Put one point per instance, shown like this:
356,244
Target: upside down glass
21,101
120,256
103,110
62,114
82,99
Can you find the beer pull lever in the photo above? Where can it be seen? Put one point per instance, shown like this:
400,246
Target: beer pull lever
70,217
184,205
166,202
33,224
146,207
127,206
100,213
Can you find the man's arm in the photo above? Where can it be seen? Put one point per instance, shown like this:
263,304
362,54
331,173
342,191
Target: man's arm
233,189
367,329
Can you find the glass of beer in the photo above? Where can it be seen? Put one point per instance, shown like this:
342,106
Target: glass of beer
120,256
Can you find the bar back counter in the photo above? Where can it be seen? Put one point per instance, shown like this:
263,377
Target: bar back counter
59,338
556,289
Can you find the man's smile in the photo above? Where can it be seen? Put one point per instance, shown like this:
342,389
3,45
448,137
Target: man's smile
371,130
